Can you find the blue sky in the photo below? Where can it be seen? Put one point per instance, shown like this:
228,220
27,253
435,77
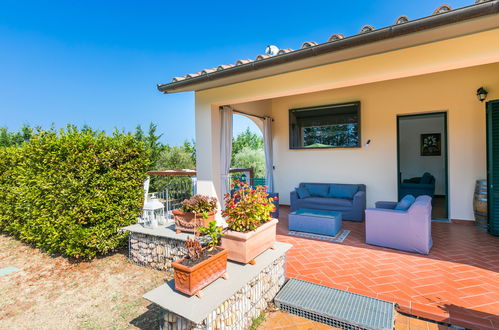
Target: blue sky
98,62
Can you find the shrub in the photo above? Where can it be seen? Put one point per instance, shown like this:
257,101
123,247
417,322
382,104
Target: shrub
70,192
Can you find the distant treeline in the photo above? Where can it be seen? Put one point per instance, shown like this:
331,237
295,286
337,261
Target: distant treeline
247,149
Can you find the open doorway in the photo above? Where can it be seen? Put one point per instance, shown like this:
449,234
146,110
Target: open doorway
422,159
247,149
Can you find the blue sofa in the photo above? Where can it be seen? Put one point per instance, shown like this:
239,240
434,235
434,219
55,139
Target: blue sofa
349,199
419,186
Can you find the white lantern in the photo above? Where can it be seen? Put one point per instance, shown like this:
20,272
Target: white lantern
153,213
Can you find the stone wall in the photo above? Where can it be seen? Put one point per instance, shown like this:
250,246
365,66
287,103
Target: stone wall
154,251
239,310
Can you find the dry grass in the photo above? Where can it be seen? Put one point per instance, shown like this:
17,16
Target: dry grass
53,293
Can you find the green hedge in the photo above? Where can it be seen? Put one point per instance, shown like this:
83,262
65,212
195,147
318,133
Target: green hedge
70,192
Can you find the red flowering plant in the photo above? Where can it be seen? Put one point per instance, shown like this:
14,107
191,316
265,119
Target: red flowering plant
247,208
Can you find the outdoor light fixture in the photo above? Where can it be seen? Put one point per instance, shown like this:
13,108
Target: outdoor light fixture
481,93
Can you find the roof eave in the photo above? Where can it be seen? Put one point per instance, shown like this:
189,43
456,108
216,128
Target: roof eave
393,31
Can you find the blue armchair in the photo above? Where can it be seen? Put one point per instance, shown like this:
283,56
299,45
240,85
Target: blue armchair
418,186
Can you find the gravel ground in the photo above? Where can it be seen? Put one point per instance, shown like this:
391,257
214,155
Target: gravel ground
53,293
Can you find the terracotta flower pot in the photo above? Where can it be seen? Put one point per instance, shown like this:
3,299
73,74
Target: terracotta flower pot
188,221
244,247
190,280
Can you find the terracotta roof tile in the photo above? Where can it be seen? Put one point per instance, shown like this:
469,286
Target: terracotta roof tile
175,79
284,51
206,71
241,62
192,75
366,28
442,9
224,66
336,37
262,57
401,20
307,44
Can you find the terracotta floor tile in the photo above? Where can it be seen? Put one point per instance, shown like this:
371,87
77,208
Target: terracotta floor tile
459,271
427,289
492,309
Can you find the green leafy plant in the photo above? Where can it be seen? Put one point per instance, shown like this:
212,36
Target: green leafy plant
69,192
248,207
199,204
212,233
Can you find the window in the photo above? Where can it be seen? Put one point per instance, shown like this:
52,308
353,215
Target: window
328,126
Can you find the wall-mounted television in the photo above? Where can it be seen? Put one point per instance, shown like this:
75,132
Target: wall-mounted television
327,126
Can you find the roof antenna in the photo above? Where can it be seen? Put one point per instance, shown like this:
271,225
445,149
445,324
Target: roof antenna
271,50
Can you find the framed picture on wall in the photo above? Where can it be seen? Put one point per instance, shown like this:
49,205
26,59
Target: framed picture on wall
431,144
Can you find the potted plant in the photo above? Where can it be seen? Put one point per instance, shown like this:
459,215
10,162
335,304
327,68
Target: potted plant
203,264
195,212
250,227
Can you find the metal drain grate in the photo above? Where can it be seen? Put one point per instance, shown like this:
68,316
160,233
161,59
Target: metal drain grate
334,307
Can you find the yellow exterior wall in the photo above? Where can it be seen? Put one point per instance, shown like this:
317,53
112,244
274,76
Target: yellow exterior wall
441,76
376,165
469,50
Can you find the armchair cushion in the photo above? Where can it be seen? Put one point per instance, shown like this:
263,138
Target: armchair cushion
317,190
426,178
385,205
412,180
342,191
405,203
302,193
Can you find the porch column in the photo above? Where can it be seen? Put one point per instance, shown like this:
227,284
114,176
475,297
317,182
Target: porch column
208,148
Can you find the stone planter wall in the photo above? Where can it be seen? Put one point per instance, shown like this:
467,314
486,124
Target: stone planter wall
154,251
239,310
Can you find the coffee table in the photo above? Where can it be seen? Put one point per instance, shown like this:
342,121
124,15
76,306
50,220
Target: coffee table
315,221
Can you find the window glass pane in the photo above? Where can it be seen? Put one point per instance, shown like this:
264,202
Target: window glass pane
333,126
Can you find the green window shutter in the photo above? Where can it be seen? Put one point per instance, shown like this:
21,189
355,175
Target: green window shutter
493,166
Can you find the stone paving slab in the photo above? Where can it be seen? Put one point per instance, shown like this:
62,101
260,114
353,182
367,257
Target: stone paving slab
167,231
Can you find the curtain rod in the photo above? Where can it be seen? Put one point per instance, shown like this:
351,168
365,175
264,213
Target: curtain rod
249,114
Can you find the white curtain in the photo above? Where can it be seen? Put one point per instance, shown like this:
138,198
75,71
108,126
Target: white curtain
225,148
269,157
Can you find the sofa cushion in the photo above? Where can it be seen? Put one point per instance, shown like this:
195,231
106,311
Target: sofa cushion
426,178
405,203
337,204
317,190
342,191
302,193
